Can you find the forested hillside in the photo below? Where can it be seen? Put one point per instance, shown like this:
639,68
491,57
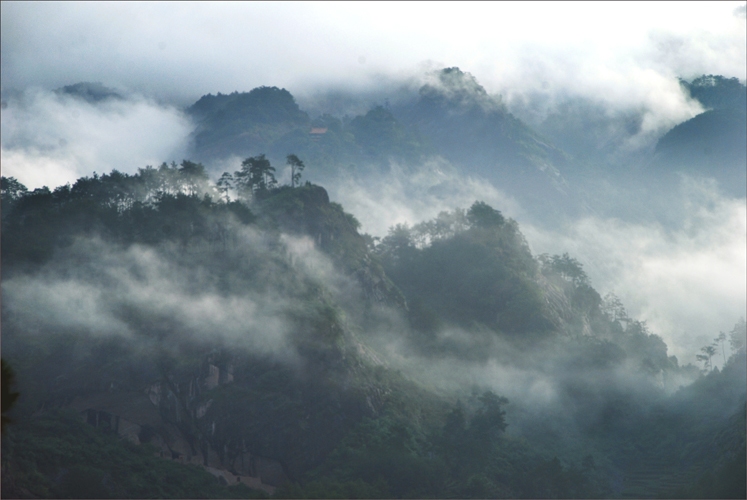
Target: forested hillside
247,329
373,250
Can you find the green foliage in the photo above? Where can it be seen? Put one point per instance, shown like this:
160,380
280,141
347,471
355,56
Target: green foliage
444,226
708,352
246,123
468,457
379,134
717,92
481,214
566,266
483,273
329,488
8,396
225,184
256,175
12,189
151,206
59,456
307,211
716,137
387,454
397,247
297,167
474,130
268,120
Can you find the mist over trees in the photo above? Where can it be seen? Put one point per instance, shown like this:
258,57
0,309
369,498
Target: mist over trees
278,291
222,328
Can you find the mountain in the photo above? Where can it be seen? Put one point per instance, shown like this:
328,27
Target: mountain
714,143
265,341
267,120
245,124
203,395
475,131
452,117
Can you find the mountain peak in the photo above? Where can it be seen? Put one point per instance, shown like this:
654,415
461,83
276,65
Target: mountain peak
456,88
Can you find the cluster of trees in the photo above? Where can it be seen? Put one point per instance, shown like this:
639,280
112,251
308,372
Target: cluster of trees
466,267
717,92
736,341
464,453
132,206
257,176
149,184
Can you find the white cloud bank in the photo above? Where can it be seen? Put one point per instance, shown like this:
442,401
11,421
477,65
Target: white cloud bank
688,283
52,139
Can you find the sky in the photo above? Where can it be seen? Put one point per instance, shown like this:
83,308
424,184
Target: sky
179,51
164,56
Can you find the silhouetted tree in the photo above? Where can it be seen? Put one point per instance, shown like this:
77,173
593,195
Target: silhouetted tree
225,183
297,167
12,189
397,246
445,225
569,268
708,352
614,308
256,174
481,214
490,419
192,174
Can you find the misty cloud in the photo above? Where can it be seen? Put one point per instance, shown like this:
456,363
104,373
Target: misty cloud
652,100
688,282
411,194
143,292
178,52
52,139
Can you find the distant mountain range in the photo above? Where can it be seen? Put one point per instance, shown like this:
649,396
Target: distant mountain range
453,117
558,170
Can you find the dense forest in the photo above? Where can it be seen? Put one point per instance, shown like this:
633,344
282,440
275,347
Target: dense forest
373,250
169,335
